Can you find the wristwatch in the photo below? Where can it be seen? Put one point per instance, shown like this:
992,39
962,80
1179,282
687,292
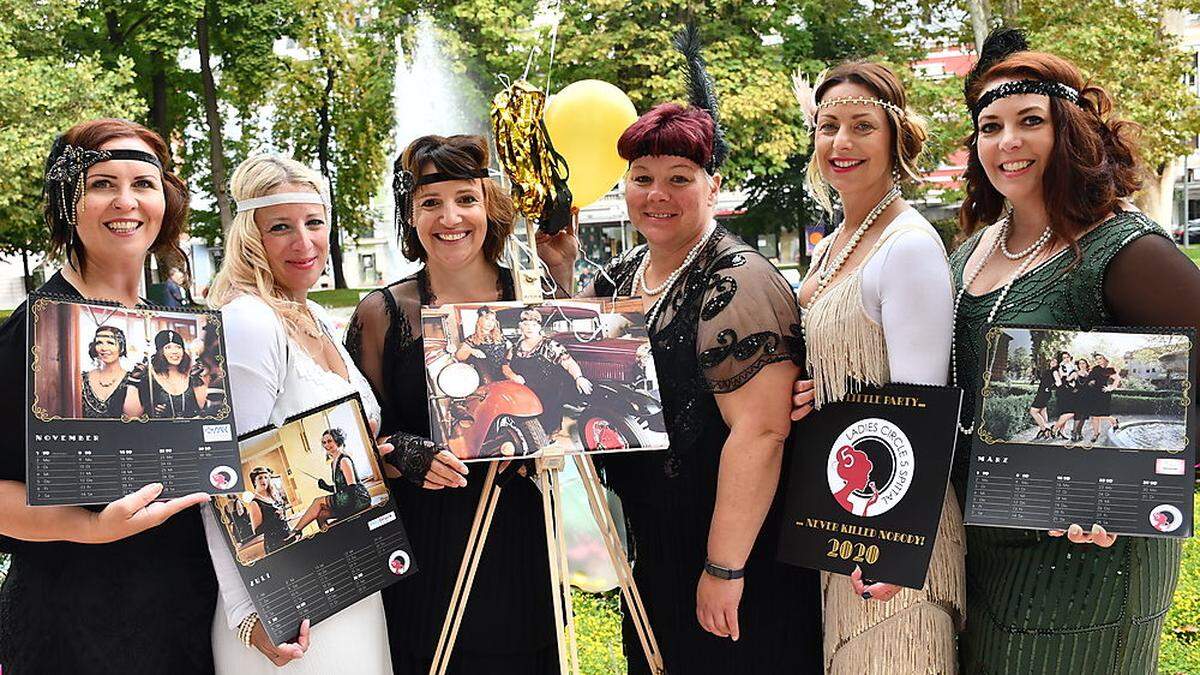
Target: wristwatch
723,572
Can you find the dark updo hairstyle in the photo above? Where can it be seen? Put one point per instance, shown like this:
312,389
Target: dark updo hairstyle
458,155
908,130
256,472
1093,165
91,135
669,129
338,436
118,335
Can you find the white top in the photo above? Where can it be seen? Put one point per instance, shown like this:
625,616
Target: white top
271,378
907,289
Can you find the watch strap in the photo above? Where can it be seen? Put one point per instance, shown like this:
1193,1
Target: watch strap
723,572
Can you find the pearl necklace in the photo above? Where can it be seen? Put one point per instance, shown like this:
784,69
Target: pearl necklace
664,288
1045,236
825,274
970,279
639,277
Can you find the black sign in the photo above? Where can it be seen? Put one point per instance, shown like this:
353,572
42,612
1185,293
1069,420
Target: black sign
317,529
1083,427
118,397
868,480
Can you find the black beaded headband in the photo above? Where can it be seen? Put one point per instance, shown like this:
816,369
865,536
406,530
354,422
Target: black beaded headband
65,184
1043,87
404,184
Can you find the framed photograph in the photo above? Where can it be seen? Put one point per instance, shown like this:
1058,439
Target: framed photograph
1085,427
315,529
868,480
507,380
119,397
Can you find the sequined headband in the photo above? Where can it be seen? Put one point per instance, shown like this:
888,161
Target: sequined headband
1043,87
860,100
65,184
404,184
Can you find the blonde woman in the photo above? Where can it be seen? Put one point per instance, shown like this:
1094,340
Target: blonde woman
877,307
282,361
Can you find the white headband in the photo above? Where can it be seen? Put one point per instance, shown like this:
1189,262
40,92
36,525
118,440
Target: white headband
282,198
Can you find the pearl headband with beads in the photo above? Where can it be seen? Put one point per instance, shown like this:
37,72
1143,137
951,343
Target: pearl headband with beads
860,100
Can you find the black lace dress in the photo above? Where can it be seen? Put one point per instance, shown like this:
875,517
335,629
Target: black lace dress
95,407
542,369
494,359
161,404
509,622
143,604
729,316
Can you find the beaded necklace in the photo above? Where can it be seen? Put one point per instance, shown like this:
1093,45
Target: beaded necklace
1031,252
824,274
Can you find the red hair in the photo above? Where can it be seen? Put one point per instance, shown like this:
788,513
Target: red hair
1093,165
669,129
91,135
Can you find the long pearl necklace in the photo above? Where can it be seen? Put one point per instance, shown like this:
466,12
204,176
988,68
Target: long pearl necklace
825,274
1045,236
665,287
970,279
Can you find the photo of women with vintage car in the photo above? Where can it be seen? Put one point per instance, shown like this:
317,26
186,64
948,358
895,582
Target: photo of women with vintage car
100,362
302,479
508,379
1120,390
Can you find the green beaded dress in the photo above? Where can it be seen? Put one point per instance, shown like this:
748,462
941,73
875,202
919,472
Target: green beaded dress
1038,604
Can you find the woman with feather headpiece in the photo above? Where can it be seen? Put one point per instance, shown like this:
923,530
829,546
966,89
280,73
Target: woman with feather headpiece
1048,179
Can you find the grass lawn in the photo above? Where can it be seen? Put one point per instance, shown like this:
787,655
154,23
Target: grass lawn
1192,252
1180,653
342,297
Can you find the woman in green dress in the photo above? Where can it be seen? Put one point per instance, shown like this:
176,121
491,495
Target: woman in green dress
1067,250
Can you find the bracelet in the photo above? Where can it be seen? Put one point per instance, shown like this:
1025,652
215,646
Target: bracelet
723,572
246,628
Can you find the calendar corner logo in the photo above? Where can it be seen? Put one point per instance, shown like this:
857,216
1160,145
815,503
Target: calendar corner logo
870,467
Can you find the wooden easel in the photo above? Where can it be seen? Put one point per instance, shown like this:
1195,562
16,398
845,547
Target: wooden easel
549,480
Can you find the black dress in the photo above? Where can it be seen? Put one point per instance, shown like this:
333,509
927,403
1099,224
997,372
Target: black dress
95,407
495,357
730,315
274,526
152,395
508,627
1099,401
1045,389
143,604
1066,399
544,374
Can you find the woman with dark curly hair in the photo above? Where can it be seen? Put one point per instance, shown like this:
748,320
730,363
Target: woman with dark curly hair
1055,241
349,496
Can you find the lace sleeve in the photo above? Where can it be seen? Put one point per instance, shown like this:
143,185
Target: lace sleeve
748,320
365,339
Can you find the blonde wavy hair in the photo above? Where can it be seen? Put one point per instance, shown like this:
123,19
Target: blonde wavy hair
245,269
909,131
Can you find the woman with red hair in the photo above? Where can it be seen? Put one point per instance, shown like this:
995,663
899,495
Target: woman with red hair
98,590
1054,241
724,328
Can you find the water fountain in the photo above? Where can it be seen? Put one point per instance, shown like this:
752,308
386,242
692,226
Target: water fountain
1145,434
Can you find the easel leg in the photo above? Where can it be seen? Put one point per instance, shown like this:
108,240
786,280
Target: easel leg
466,571
560,581
612,541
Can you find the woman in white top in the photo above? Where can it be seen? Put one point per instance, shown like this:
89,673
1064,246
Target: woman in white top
282,361
878,307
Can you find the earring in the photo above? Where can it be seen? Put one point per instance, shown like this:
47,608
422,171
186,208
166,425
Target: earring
896,175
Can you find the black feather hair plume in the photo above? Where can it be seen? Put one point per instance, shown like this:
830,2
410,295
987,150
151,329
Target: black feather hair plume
701,92
999,45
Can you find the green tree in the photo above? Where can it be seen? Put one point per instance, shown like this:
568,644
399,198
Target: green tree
40,97
335,109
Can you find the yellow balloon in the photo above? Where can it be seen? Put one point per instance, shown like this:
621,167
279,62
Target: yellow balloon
584,121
